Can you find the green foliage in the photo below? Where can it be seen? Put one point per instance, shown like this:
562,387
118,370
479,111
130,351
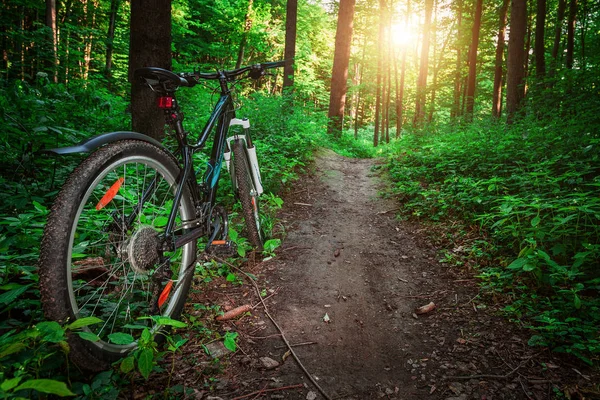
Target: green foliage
533,193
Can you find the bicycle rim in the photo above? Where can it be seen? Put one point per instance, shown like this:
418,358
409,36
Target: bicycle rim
113,251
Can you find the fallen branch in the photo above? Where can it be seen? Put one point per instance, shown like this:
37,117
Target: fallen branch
303,204
300,385
272,294
297,345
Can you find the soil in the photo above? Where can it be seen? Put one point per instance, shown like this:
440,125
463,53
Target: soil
345,288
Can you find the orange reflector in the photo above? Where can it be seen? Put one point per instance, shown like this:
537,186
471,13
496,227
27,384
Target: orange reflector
218,243
165,293
110,194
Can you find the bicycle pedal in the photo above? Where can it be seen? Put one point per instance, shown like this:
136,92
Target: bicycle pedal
223,248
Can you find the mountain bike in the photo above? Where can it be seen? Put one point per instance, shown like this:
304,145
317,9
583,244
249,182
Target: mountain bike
119,248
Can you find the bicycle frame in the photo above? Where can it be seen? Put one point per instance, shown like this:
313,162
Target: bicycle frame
220,118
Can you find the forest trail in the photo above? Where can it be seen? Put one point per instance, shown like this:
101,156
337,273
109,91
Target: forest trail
345,255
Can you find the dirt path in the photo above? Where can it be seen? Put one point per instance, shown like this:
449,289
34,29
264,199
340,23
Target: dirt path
347,257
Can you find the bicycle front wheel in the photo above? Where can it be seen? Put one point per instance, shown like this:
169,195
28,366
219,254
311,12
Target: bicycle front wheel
247,194
101,254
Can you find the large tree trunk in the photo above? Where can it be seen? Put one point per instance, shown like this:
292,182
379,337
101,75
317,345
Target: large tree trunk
290,42
539,50
339,75
51,23
571,33
515,88
110,37
473,60
378,95
150,46
423,67
499,64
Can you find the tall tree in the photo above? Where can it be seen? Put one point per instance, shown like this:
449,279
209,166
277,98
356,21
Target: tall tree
540,48
51,23
499,63
150,46
341,59
560,16
473,59
244,40
423,66
571,33
515,88
400,85
291,17
379,94
110,36
455,112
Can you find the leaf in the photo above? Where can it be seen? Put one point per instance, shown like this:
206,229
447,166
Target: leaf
51,331
121,338
146,335
231,277
518,263
47,386
576,301
127,364
12,349
10,383
230,341
170,322
88,336
535,221
80,323
160,222
145,362
10,296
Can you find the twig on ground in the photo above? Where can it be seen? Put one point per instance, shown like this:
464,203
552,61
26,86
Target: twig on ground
272,294
300,385
524,389
296,247
308,375
388,211
297,345
505,376
303,204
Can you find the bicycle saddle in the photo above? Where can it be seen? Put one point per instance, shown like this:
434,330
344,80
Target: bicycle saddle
160,80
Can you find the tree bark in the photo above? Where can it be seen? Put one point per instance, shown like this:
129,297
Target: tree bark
571,33
51,23
291,17
339,75
473,59
423,67
150,46
560,16
455,111
540,48
400,91
110,37
378,95
515,90
499,64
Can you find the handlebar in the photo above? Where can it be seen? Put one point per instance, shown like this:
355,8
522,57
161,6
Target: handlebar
164,80
256,71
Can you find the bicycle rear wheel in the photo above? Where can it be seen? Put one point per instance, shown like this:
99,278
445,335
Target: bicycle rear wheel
247,194
101,252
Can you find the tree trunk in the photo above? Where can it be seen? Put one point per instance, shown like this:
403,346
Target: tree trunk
499,64
110,37
378,95
51,23
473,60
290,42
539,51
339,75
455,111
150,46
571,33
423,67
515,90
400,91
560,16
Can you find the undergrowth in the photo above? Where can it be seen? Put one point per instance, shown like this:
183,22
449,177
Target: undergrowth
34,116
533,191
